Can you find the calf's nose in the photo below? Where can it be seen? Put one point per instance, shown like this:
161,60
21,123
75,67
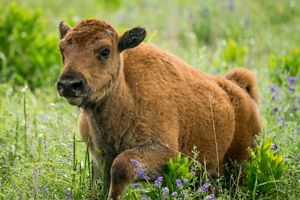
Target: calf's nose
70,88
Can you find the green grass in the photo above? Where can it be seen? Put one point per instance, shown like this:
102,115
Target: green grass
41,154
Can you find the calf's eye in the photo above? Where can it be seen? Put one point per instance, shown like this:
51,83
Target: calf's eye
102,53
105,54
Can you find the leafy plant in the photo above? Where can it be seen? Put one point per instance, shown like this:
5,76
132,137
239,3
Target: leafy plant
174,182
176,172
234,53
27,52
230,54
287,64
265,168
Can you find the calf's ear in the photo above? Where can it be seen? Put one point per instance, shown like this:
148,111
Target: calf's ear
63,29
131,38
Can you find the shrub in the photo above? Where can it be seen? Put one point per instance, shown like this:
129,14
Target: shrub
265,168
233,53
285,64
230,54
27,52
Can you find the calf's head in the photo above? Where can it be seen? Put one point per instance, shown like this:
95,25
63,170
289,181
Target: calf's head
91,54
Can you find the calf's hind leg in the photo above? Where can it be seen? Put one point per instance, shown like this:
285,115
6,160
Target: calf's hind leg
151,157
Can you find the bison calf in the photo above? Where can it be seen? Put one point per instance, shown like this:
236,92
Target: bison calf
140,102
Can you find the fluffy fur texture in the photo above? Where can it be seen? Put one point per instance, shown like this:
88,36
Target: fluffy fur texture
144,103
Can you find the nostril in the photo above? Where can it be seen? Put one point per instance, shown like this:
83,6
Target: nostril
77,85
59,86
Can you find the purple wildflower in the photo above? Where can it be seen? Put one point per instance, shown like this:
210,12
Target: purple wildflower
159,181
231,5
185,181
275,110
136,186
174,194
292,81
292,89
140,172
274,147
280,120
136,163
210,197
179,183
165,191
274,89
205,186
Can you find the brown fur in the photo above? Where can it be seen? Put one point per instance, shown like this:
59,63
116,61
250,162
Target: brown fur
245,79
145,103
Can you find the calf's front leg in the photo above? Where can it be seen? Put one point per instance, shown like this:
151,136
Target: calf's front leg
152,157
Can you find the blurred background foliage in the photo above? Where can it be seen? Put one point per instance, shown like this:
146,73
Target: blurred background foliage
28,52
255,34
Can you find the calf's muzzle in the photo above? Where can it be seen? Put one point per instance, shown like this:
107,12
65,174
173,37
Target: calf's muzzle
71,84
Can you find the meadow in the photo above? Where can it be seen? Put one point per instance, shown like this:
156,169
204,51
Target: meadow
41,153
